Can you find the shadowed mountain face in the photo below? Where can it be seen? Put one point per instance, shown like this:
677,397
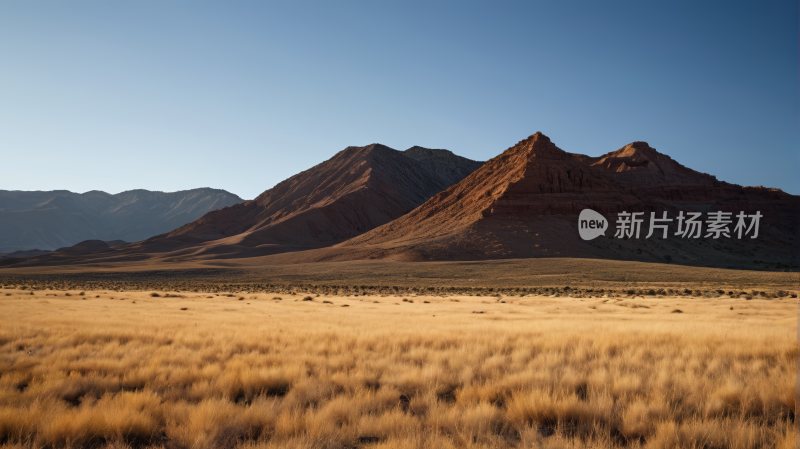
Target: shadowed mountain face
448,166
354,191
56,219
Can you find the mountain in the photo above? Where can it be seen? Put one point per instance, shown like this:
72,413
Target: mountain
525,203
356,190
658,176
640,166
24,254
60,218
90,246
531,179
374,202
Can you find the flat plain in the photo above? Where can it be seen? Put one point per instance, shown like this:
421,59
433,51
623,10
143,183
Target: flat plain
376,362
506,273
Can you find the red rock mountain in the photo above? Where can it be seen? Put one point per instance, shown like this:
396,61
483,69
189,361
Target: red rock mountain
525,203
534,177
640,166
358,189
663,179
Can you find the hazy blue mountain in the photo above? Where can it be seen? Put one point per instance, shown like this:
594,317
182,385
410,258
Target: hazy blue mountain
60,218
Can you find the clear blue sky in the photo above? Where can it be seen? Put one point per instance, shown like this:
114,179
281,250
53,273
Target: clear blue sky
172,95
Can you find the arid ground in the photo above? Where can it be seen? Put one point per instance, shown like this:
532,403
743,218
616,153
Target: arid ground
695,358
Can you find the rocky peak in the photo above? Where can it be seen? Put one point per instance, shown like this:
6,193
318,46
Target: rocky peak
638,164
539,146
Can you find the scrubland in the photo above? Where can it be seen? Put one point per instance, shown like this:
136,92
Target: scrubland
427,369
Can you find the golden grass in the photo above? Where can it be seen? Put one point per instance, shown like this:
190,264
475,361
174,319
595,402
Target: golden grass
206,371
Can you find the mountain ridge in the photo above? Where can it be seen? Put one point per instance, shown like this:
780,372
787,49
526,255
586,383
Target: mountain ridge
49,220
357,189
375,202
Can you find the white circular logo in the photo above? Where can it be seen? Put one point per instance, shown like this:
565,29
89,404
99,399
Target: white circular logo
591,224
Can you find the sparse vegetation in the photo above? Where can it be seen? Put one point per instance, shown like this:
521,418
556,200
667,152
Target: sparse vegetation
546,371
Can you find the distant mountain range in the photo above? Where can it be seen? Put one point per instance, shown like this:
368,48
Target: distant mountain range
60,218
374,202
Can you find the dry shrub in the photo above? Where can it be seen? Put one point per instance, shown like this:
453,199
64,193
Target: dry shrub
640,419
553,410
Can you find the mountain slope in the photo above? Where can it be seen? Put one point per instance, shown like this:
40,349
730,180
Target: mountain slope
451,167
56,219
658,176
358,189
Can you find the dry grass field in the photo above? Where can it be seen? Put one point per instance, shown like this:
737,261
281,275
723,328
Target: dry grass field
264,370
